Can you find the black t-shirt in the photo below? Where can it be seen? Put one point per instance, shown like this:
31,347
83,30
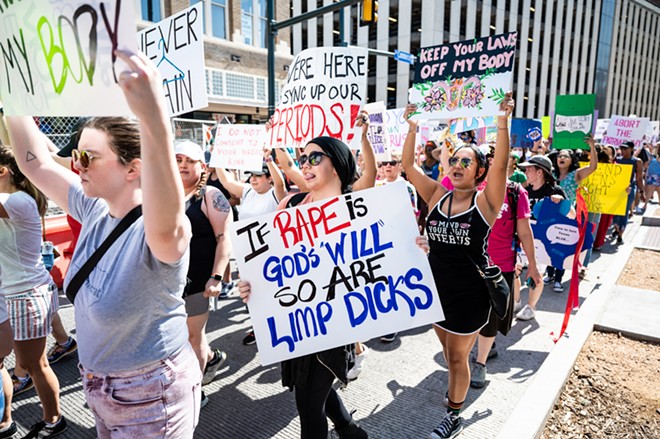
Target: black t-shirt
547,190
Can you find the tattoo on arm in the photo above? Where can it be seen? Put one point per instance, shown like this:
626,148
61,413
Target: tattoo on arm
29,157
220,203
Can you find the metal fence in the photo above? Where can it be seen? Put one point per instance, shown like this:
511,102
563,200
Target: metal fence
58,129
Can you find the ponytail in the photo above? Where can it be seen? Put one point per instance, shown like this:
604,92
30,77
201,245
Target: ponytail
20,181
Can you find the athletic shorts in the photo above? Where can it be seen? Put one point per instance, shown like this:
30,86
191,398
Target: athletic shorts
31,312
196,304
653,180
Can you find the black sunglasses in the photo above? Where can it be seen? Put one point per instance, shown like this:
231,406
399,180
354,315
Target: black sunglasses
390,163
314,158
465,162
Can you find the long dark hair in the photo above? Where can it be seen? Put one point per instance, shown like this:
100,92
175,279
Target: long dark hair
20,181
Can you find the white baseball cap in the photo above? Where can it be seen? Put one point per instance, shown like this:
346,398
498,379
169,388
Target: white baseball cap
190,150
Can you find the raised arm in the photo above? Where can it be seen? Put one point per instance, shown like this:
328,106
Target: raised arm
166,227
496,187
230,183
425,186
368,177
583,173
36,162
218,211
276,176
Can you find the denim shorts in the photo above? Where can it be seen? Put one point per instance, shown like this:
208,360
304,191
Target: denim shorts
31,312
161,400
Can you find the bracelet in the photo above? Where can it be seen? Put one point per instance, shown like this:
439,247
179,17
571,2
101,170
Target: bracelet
216,276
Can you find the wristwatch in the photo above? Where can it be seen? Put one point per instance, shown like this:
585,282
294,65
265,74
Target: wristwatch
216,276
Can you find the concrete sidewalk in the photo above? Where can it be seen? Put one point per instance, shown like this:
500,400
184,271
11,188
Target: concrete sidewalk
400,392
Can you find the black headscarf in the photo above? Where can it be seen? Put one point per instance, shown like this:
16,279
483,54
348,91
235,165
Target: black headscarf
341,157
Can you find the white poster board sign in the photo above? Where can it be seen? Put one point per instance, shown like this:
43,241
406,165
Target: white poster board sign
333,272
176,46
397,128
376,132
324,91
625,129
238,146
601,128
653,131
58,57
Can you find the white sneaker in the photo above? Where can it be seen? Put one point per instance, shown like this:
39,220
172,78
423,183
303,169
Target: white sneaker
527,313
359,364
517,306
558,288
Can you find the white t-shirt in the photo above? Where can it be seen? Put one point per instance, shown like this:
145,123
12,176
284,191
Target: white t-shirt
20,241
255,204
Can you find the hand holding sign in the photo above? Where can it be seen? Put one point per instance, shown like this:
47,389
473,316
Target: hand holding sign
142,85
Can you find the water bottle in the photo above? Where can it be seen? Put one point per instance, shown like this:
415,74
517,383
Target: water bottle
47,255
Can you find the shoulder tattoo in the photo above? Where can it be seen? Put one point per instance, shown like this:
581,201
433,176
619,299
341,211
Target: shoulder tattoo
220,202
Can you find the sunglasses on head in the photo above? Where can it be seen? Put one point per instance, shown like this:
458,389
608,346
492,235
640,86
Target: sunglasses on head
83,157
388,163
465,162
313,158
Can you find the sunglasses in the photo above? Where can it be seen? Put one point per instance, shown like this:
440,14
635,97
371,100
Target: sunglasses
563,156
464,161
83,157
313,158
388,163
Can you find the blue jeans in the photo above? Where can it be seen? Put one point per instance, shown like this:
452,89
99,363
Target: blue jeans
161,400
622,220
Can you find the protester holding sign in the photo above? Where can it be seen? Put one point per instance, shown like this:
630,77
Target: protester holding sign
457,227
636,181
140,376
329,168
209,214
30,292
653,175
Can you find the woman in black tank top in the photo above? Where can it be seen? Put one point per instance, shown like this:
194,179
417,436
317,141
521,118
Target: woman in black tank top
458,225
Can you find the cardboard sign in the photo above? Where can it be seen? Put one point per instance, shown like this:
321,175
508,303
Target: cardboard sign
573,120
524,132
626,129
397,128
556,235
329,273
238,147
464,79
176,46
606,188
57,57
324,91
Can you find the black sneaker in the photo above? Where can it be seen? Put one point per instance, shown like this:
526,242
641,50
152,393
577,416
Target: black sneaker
389,338
219,358
9,431
451,426
41,430
204,402
351,431
249,339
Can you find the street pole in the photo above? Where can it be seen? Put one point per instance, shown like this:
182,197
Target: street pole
274,27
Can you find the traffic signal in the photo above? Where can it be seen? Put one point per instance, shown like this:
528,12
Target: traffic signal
369,12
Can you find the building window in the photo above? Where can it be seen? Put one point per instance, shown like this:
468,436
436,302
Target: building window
240,86
151,10
215,17
253,22
216,83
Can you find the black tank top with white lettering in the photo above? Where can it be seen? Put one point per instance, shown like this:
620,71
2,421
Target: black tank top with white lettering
202,246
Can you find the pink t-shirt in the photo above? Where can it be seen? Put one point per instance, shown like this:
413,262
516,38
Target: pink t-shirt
500,241
446,182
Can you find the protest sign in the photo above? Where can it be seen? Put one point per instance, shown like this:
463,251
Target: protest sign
524,132
601,127
376,132
238,146
324,91
329,273
556,235
626,129
397,128
653,131
545,127
464,79
58,57
573,120
606,188
430,130
176,46
463,124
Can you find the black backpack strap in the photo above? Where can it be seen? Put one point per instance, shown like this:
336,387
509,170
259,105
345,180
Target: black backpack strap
86,269
296,199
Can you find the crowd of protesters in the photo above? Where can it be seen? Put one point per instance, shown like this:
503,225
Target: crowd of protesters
144,376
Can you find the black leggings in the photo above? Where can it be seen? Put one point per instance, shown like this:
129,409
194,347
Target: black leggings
316,399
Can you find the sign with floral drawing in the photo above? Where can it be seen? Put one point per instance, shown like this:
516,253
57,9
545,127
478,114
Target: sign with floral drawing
465,78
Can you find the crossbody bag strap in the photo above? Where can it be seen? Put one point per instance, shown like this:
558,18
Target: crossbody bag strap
82,274
451,198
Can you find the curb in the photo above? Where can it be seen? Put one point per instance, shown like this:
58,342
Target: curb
528,418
